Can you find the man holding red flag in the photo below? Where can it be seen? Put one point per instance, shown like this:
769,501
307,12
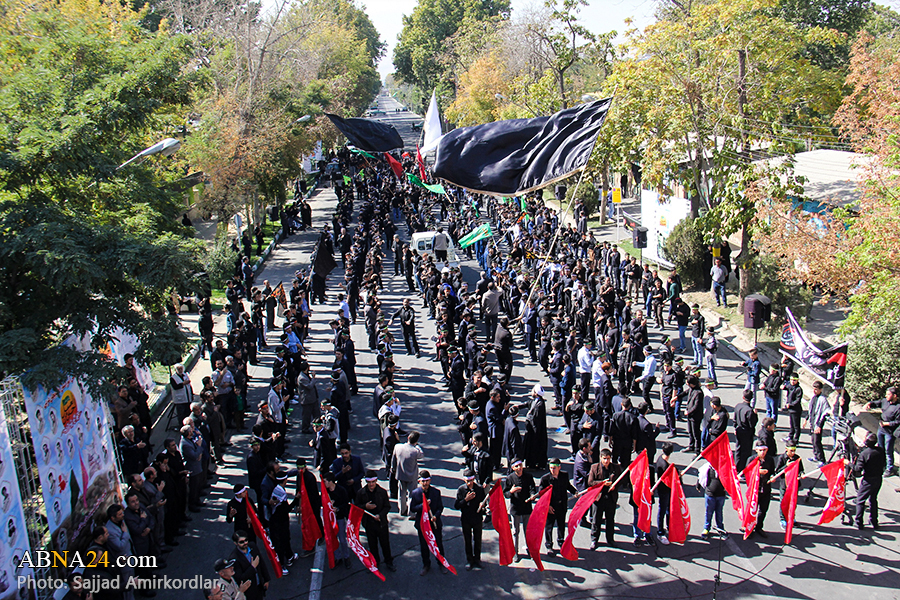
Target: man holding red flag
374,500
435,508
789,499
784,461
714,498
679,514
519,488
751,503
310,504
604,473
718,454
559,501
335,507
641,499
766,470
835,475
500,521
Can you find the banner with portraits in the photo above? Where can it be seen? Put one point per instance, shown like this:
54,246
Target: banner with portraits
13,534
75,457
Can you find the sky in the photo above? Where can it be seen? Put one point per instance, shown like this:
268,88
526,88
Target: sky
599,16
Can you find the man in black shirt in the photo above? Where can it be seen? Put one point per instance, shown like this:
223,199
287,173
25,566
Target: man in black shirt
745,420
435,508
869,464
519,488
469,499
374,500
559,500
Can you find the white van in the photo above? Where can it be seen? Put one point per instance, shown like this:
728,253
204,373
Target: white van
421,243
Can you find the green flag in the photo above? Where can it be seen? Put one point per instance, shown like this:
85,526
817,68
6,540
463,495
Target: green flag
479,233
347,180
522,204
436,187
363,152
362,173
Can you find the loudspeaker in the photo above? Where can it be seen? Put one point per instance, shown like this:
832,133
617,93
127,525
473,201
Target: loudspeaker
639,237
757,311
561,192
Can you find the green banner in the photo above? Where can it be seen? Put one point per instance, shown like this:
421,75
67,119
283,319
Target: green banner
363,152
436,187
479,233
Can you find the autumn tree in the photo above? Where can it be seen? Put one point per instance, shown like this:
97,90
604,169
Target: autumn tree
854,251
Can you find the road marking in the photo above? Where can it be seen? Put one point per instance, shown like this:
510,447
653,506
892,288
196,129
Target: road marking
315,584
747,564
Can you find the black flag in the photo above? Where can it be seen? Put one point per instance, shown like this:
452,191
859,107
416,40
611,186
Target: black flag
517,156
368,135
322,260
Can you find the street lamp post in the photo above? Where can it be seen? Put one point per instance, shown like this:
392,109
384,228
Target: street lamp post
166,147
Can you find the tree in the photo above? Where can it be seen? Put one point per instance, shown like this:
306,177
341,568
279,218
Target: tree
420,55
269,69
853,252
85,248
874,362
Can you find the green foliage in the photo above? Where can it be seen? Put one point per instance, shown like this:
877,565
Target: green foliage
219,262
420,54
765,279
85,247
873,363
587,195
685,248
844,16
64,273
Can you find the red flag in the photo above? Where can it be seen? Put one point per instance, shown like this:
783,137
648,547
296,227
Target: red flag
500,520
421,162
308,523
329,519
679,514
428,534
836,476
534,533
751,506
581,507
396,167
789,500
356,514
261,534
639,473
719,456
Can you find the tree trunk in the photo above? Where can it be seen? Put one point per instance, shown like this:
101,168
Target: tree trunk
744,278
604,189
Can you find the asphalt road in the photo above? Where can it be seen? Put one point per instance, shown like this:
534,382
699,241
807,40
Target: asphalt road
833,561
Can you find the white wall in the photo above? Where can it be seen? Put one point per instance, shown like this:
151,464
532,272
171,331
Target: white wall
660,217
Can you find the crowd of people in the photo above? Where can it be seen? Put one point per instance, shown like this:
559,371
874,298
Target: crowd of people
581,312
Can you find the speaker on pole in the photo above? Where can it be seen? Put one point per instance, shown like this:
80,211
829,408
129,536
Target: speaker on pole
561,192
639,237
757,311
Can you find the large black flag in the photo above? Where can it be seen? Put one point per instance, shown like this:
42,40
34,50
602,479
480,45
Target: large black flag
368,135
322,259
514,157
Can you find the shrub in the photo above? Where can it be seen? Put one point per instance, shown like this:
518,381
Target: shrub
873,363
685,249
588,194
219,262
765,280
